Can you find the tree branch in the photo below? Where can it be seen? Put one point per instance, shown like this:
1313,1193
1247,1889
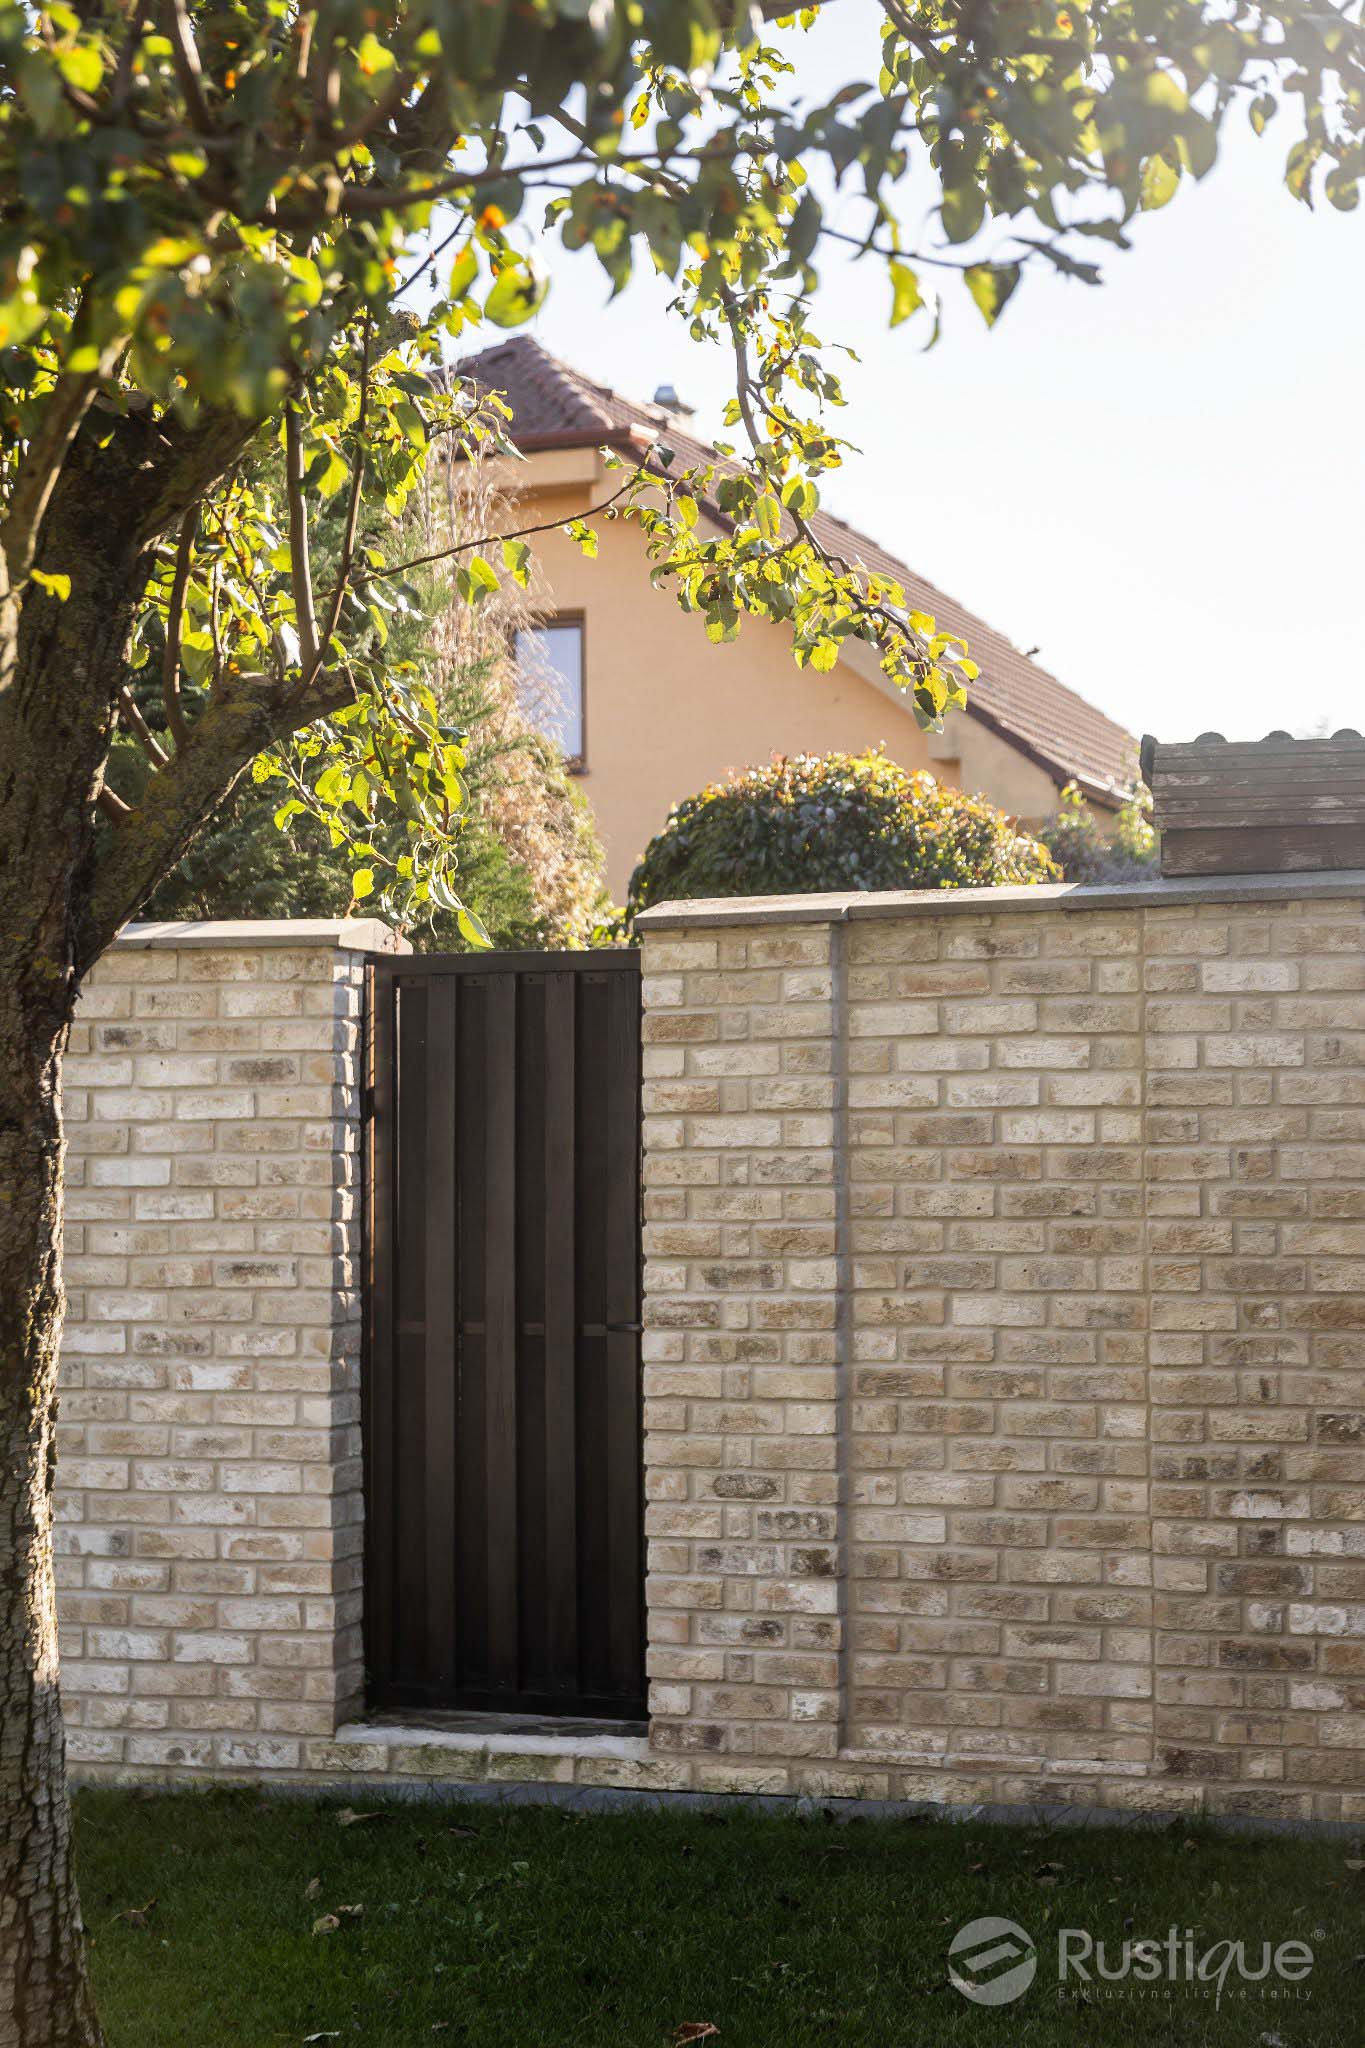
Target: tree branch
484,540
175,609
229,733
187,459
188,70
41,463
352,518
300,568
131,711
377,115
364,199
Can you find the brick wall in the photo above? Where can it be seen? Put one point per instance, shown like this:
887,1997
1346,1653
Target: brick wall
1004,1356
1006,1345
209,1496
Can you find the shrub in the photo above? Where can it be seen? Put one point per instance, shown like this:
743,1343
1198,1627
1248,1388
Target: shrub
811,822
1080,849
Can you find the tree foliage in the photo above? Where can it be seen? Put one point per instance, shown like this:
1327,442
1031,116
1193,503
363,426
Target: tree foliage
528,850
1086,853
812,822
213,213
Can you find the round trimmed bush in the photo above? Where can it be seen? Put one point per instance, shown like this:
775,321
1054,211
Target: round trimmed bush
811,822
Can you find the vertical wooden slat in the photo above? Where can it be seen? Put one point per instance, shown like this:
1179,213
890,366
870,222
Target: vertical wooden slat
471,1620
500,1314
441,1334
561,1336
590,1266
378,1405
621,1090
410,1349
533,1598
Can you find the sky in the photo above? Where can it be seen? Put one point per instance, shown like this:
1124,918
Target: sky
1158,483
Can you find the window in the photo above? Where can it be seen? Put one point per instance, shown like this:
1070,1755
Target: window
550,661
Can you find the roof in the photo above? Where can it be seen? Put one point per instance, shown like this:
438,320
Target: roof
555,406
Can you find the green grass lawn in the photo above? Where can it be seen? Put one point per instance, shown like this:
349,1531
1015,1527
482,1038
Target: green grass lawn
535,1928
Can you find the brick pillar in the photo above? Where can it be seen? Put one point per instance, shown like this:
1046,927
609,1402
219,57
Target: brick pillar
741,1366
209,1477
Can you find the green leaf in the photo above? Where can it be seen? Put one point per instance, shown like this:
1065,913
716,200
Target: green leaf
1160,182
964,209
1262,109
1342,189
471,927
992,286
768,516
1298,174
517,555
801,497
464,271
80,66
476,579
362,884
518,293
55,584
906,296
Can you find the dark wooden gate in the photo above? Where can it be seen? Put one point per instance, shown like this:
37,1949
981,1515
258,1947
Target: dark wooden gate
504,1564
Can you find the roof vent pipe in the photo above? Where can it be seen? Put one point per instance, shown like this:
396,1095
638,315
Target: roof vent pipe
667,399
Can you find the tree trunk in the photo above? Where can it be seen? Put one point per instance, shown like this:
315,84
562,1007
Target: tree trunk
45,1998
56,717
125,479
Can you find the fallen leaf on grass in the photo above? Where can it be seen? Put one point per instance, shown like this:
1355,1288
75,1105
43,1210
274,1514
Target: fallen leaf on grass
312,1888
1355,1862
469,1834
335,2035
349,1818
328,1923
694,2030
1048,1873
138,1916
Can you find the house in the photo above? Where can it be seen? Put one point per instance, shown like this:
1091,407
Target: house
650,710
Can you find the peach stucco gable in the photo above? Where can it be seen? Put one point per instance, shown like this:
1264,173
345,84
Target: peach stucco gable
667,711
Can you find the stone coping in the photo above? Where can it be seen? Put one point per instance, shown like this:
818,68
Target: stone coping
346,934
390,1735
841,908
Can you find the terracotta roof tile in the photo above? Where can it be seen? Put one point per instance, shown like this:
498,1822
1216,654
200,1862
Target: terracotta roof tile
556,405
